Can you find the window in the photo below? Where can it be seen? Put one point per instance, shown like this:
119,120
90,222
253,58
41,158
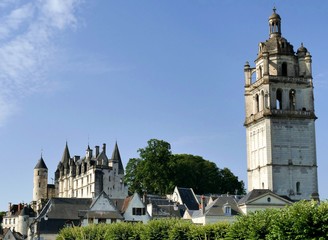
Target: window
138,211
292,99
39,184
256,102
269,199
13,220
279,98
298,188
227,210
284,69
260,72
38,173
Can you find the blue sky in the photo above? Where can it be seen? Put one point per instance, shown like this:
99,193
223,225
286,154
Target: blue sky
103,71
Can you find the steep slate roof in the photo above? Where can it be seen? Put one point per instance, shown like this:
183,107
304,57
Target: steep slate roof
216,207
188,198
66,156
117,157
27,211
41,164
61,211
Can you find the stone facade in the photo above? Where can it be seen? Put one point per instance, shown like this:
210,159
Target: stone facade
87,177
78,177
280,118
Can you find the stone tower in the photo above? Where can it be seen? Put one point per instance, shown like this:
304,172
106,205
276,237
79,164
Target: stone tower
280,117
40,181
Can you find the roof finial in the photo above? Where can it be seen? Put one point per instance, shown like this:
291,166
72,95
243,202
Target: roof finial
274,9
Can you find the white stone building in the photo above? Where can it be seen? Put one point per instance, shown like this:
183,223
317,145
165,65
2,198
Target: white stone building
87,177
77,177
280,118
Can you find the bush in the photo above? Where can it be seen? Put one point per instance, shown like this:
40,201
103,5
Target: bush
302,220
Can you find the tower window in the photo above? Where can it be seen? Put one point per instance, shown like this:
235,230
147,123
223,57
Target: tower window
279,98
260,72
292,99
284,69
298,188
256,102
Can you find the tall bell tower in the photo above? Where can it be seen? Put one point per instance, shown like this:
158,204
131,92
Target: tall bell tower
280,117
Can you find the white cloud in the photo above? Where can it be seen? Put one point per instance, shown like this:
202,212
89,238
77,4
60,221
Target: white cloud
27,31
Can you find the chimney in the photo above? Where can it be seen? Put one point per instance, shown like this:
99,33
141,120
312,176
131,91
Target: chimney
9,210
104,148
144,197
97,150
202,204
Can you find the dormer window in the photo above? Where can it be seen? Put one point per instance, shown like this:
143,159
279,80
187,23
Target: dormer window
227,209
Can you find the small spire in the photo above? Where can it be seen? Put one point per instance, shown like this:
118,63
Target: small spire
274,9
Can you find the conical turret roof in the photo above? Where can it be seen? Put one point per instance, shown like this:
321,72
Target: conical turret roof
117,157
66,156
41,164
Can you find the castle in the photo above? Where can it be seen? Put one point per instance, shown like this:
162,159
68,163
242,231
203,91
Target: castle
77,177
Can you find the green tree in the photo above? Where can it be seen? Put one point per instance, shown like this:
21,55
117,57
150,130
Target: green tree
195,172
157,171
229,183
151,172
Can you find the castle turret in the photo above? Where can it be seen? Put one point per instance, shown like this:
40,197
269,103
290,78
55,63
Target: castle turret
40,180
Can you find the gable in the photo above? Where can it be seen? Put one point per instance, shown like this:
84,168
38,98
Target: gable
268,199
102,204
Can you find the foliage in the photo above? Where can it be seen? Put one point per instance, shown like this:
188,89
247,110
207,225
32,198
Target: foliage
166,229
302,220
2,214
151,172
255,225
157,171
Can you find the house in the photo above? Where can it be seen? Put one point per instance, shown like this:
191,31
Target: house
18,218
223,208
261,199
57,214
101,210
9,234
134,210
161,207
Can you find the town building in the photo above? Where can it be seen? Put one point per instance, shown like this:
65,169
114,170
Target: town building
17,219
280,118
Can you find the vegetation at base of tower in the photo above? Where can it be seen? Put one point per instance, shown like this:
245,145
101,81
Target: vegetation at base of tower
302,220
158,171
165,229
